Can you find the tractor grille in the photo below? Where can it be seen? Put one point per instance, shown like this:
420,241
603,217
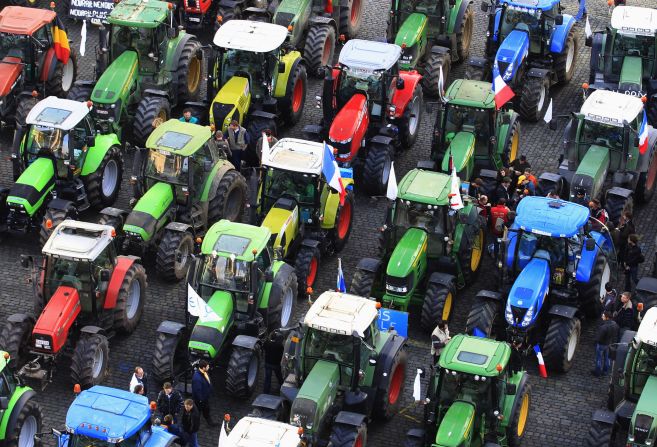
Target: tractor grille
399,286
518,313
219,113
283,18
344,149
43,343
642,428
305,410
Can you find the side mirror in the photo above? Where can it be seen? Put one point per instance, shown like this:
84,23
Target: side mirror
511,389
4,403
26,261
484,7
552,124
105,275
590,244
91,141
372,361
493,141
281,67
558,20
506,119
207,165
172,32
400,84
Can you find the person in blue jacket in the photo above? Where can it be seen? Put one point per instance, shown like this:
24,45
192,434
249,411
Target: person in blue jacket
202,390
187,117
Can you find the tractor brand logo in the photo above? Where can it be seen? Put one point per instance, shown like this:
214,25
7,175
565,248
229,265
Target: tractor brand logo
292,217
246,90
638,31
604,119
42,344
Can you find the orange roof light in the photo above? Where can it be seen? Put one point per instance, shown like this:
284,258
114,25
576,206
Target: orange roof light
639,307
290,28
77,389
610,2
378,305
585,86
199,240
113,232
90,104
6,356
220,19
52,5
498,367
309,290
49,224
227,417
644,99
35,93
170,5
300,431
254,251
294,339
403,46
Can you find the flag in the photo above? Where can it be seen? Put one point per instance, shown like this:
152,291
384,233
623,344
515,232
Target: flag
392,190
587,28
340,286
197,307
223,437
450,164
503,92
331,172
441,83
60,40
83,38
417,386
643,135
548,113
478,333
455,200
265,147
541,364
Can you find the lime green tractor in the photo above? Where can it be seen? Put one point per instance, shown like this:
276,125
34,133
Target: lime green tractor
431,34
303,213
474,398
426,250
145,66
62,166
182,185
238,293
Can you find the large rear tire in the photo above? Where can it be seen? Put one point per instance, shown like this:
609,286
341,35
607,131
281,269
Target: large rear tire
173,254
437,306
535,98
103,185
388,398
170,357
464,35
90,360
150,111
15,337
483,315
243,371
295,96
27,424
561,343
131,299
566,61
616,206
471,255
591,291
409,126
307,268
599,435
62,80
229,200
436,61
343,223
189,71
55,217
282,299
520,417
319,49
81,93
645,187
377,168
511,150
25,104
351,17
362,283
348,436
476,73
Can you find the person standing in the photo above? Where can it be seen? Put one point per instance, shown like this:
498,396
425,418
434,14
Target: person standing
504,190
624,229
633,257
257,156
191,422
499,217
202,390
519,165
439,338
609,299
606,335
138,378
599,215
169,401
273,356
476,188
219,145
624,316
238,140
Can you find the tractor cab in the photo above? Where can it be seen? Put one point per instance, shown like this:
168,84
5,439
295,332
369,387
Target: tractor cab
265,432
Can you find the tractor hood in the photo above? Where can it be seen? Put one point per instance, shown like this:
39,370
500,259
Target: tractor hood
511,52
591,172
208,337
282,218
349,119
51,329
462,149
408,37
455,427
631,75
144,217
529,291
10,70
316,394
406,255
33,186
644,419
235,91
117,79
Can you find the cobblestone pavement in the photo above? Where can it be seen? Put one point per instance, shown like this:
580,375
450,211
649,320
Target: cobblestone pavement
561,405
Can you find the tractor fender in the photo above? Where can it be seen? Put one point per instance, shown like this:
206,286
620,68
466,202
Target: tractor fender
114,212
369,265
604,416
245,341
618,191
563,311
439,49
123,264
171,63
503,135
49,65
268,401
509,409
381,139
588,257
349,418
61,204
560,34
489,295
288,83
90,329
85,83
276,286
479,62
263,114
385,359
230,3
291,60
312,243
596,51
155,92
20,318
538,73
455,20
96,154
170,327
644,159
19,398
444,279
178,226
324,21
218,171
401,98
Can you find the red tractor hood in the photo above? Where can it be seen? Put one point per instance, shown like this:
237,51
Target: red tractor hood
349,119
51,329
10,69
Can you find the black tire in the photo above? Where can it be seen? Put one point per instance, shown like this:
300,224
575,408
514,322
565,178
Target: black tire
388,398
616,206
15,337
476,73
172,260
591,291
170,358
563,72
25,104
90,360
148,110
283,295
229,200
510,152
409,130
348,435
438,305
243,371
483,315
189,72
362,283
651,112
56,217
377,168
27,424
255,128
62,80
517,426
351,17
464,34
561,342
110,170
115,222
599,435
295,95
533,91
319,49
476,241
306,267
414,441
228,14
432,73
342,229
127,313
80,92
644,191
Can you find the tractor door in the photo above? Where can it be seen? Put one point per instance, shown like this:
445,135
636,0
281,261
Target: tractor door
105,261
262,264
200,168
7,387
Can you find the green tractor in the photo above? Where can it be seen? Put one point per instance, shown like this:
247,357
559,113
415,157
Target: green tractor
340,372
479,138
426,251
474,399
303,213
145,66
431,34
631,402
603,155
182,185
62,166
240,294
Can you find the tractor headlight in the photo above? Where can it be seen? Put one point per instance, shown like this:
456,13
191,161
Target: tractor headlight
508,73
508,315
527,319
392,288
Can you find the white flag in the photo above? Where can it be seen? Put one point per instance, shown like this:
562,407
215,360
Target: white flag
197,307
548,113
265,148
83,38
455,200
223,437
587,28
417,387
392,191
441,83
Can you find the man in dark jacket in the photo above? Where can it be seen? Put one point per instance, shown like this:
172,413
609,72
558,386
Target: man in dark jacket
606,335
191,421
504,191
202,390
633,257
273,356
169,401
624,229
625,314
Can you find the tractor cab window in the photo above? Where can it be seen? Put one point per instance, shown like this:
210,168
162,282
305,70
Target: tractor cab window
335,348
41,36
526,19
164,166
467,119
297,185
13,46
225,273
356,80
418,215
137,39
645,365
242,63
87,441
65,272
427,7
633,46
601,134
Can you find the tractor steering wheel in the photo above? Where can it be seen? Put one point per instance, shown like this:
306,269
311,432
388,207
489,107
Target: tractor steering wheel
333,355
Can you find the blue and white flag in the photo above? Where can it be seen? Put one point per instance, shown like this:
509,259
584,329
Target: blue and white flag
340,286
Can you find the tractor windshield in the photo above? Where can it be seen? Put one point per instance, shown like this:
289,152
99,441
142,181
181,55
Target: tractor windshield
527,19
467,119
335,348
167,167
297,185
427,7
644,366
224,273
418,215
602,134
87,441
13,46
633,45
66,272
243,63
356,81
125,38
559,252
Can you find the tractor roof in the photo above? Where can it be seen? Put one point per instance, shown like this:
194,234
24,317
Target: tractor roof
246,35
341,313
251,431
24,21
233,238
647,332
56,112
465,92
475,355
634,20
545,5
292,154
606,107
429,187
78,240
368,56
178,137
103,413
139,13
550,217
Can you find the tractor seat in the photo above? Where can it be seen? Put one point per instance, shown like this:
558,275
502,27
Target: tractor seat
10,69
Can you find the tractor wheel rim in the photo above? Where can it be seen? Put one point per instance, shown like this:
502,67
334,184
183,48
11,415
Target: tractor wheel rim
652,174
396,383
286,311
355,12
522,416
110,178
297,96
604,279
414,118
447,308
359,441
252,372
541,99
193,75
572,345
312,272
233,205
326,52
28,430
162,114
570,57
467,32
98,362
134,296
345,220
515,142
181,256
475,257
68,75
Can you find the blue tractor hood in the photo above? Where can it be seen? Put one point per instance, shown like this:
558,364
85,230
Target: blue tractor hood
550,217
528,293
511,53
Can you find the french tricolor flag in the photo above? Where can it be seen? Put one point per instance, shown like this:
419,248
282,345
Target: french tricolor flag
503,92
541,363
331,172
643,135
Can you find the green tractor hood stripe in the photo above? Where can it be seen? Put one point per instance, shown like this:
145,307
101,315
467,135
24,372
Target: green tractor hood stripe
117,79
410,249
210,336
456,425
462,149
150,207
33,185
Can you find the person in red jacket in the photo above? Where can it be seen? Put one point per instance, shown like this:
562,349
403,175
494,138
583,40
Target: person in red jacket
499,217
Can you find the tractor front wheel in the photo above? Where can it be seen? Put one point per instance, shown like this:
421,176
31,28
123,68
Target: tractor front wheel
388,398
535,98
15,339
295,96
437,306
565,62
282,298
103,185
475,73
80,92
62,80
51,219
189,71
351,17
483,317
151,112
320,48
170,358
343,222
409,127
227,14
229,199
307,268
362,283
435,63
561,343
26,425
25,104
243,371
519,418
377,168
464,34
130,302
90,360
512,144
591,291
348,435
599,435
173,255
471,255
616,206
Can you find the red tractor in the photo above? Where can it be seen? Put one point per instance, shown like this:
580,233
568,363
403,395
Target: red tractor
371,110
84,294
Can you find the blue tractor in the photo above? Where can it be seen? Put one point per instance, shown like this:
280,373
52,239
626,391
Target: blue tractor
553,270
533,46
103,416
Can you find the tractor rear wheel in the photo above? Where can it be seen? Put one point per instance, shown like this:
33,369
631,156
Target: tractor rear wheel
173,255
476,73
471,255
170,358
645,187
307,268
599,435
351,17
362,283
591,291
295,96
228,14
348,436
228,202
565,62
151,111
534,98
388,399
26,425
15,339
409,126
651,111
415,441
243,371
189,72
561,343
103,185
90,360
282,299
464,35
437,306
483,316
319,49
518,424
343,222
436,62
25,104
51,219
513,143
130,302
377,168
63,78
80,93
616,206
